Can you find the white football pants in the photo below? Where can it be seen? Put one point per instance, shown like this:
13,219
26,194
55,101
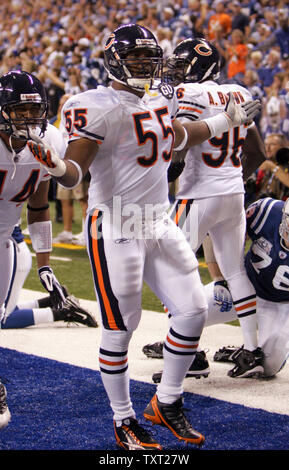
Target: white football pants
273,328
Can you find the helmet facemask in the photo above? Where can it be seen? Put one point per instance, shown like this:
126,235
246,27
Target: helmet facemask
175,70
23,105
133,57
193,61
137,72
181,70
19,122
141,72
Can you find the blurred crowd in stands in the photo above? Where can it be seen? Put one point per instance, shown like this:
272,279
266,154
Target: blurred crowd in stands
61,41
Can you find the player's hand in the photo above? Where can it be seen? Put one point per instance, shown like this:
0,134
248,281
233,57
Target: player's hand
52,285
238,114
222,296
174,171
46,156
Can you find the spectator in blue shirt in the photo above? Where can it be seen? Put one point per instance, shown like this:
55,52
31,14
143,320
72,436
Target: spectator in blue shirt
282,34
266,73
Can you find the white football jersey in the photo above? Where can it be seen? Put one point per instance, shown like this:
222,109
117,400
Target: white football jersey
135,138
20,177
213,167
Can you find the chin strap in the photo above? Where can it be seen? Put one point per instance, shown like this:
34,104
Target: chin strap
13,157
147,90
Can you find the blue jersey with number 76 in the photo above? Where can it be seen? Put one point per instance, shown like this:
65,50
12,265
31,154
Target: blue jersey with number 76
267,262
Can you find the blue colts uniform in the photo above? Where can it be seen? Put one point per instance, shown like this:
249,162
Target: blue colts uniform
267,262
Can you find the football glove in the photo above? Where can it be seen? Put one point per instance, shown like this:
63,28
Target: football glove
222,296
52,285
244,113
174,170
46,156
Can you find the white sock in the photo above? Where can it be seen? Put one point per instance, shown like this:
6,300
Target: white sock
42,315
30,304
179,352
113,362
249,329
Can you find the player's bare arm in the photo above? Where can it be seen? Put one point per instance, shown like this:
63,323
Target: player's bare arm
194,133
77,160
40,229
38,211
254,152
38,207
197,132
82,152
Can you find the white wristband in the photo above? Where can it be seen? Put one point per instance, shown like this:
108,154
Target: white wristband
80,176
183,142
41,236
217,124
59,170
60,167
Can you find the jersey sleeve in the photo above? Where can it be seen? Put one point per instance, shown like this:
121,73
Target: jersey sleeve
257,216
190,106
83,118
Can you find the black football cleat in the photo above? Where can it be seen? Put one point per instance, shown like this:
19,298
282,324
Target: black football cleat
225,354
72,312
131,436
154,350
172,417
248,363
199,368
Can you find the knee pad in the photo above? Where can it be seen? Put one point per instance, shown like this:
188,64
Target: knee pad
190,324
276,350
117,341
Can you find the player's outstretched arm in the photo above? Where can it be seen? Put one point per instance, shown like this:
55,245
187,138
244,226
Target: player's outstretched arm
234,115
254,152
69,171
40,229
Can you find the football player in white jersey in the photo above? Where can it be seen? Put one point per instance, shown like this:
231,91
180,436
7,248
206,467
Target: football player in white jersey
124,135
211,184
24,107
22,314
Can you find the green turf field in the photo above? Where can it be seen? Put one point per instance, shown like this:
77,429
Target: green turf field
73,268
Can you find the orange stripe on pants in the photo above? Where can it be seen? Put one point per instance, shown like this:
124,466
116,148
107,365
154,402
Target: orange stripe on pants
180,210
96,259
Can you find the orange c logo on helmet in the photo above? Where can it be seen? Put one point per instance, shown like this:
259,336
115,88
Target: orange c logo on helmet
203,49
110,41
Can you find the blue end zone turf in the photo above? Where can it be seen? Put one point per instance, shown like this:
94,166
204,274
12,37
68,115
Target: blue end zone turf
56,406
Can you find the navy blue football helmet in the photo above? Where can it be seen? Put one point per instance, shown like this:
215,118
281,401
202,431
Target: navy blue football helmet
193,60
17,89
133,57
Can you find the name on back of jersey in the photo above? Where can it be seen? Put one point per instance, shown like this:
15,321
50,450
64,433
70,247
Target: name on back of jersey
219,98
